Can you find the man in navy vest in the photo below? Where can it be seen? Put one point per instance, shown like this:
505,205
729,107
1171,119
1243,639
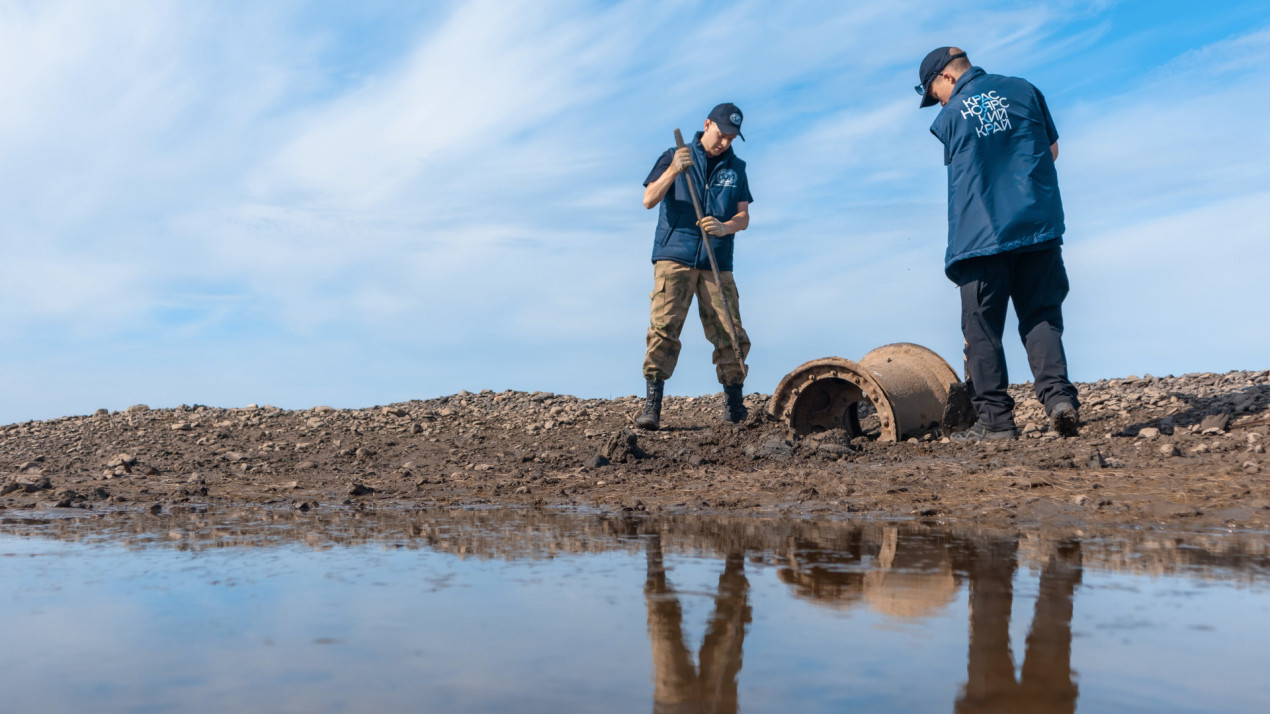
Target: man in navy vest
1005,229
681,266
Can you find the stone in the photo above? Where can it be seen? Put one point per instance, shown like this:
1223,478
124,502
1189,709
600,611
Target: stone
182,426
1251,467
360,489
775,448
1214,423
322,410
623,446
1148,432
102,412
1170,450
66,498
137,408
29,483
394,411
597,461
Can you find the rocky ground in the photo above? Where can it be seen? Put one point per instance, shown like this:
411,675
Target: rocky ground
1185,451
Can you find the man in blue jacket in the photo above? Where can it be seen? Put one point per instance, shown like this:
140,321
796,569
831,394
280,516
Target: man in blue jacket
1005,229
681,266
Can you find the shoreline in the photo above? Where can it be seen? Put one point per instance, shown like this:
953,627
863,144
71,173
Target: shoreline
1184,451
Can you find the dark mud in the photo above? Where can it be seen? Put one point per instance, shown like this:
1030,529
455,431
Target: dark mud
1184,451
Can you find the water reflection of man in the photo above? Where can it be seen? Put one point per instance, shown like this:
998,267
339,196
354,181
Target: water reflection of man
678,686
916,577
1046,685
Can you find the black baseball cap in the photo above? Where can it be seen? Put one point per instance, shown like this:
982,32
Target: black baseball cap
728,116
935,61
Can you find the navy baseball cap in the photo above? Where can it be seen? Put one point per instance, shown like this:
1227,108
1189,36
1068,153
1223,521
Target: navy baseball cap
728,116
935,61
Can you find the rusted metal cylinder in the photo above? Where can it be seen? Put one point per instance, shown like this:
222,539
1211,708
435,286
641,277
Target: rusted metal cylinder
908,385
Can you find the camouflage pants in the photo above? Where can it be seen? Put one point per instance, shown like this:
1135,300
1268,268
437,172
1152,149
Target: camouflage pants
674,285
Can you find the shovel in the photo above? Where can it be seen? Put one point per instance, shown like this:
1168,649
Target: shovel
714,265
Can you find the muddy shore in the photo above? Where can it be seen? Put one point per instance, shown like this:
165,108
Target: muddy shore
1186,451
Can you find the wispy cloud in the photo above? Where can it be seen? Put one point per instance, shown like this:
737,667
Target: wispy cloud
300,216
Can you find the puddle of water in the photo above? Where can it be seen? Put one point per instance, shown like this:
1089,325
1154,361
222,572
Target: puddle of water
530,612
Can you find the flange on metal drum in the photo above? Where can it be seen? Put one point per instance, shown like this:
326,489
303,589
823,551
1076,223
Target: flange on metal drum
909,386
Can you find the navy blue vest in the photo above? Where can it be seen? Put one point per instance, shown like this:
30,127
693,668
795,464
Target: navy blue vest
1002,186
678,238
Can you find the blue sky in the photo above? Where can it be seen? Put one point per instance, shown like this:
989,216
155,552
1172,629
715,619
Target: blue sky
302,203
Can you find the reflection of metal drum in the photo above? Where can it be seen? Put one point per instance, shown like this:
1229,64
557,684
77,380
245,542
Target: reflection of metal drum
823,586
912,580
909,593
907,384
907,575
825,575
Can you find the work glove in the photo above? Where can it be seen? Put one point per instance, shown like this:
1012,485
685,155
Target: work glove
713,226
682,160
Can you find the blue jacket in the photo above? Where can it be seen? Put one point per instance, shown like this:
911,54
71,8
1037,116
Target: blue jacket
678,238
1002,186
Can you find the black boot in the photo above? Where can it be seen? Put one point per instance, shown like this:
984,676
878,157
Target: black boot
734,408
651,417
1065,420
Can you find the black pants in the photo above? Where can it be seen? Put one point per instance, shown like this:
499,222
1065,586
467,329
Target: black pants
1037,283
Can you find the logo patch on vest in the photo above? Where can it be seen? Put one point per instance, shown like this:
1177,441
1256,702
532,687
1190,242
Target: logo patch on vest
723,178
990,110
